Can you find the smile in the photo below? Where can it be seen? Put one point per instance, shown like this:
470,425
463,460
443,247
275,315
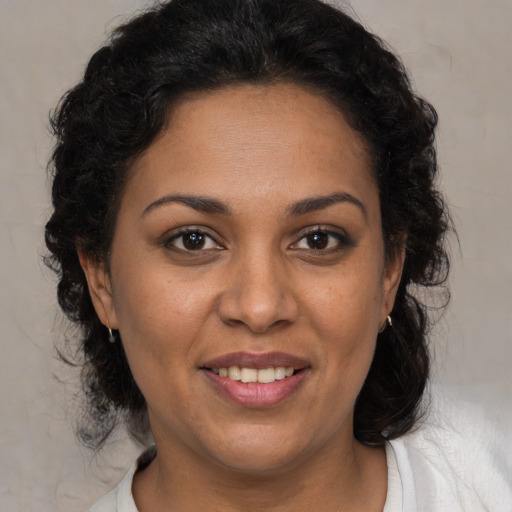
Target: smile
247,375
257,380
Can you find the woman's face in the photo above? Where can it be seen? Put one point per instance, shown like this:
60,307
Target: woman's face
249,244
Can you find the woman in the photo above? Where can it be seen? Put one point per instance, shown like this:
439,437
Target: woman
244,208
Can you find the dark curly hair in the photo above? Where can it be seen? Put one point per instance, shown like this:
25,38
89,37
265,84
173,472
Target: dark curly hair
106,121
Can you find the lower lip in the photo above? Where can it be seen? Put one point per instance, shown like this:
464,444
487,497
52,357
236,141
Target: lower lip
254,394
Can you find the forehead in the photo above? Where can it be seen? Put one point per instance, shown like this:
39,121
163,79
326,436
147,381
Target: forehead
265,140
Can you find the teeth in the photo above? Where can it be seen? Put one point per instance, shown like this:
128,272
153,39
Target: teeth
249,375
266,375
233,373
263,376
280,372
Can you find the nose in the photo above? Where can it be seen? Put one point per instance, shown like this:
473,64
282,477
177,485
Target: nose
258,295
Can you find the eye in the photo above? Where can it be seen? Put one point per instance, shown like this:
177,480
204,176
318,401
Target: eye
322,240
192,240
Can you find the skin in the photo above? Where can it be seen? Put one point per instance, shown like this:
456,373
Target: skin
258,284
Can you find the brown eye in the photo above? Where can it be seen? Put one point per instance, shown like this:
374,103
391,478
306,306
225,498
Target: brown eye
317,241
321,241
193,241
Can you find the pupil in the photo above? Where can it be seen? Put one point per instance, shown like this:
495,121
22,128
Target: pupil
318,241
193,241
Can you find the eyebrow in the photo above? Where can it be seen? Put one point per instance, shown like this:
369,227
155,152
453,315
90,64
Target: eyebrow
209,205
200,203
313,204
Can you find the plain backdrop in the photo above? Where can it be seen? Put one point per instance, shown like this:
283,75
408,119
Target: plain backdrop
458,52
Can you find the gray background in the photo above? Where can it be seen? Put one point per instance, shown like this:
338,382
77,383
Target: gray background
458,52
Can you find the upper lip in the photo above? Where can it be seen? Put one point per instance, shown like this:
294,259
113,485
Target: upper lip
256,360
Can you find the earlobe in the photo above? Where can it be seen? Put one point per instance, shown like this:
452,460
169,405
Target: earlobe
98,282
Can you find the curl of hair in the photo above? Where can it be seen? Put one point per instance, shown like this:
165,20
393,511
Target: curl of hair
106,121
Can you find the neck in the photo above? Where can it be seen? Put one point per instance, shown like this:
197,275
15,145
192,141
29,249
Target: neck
348,477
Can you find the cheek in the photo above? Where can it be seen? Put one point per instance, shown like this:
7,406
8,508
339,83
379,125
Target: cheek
159,322
159,318
159,300
345,314
347,301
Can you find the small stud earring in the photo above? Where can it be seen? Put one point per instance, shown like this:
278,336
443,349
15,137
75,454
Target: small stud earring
386,323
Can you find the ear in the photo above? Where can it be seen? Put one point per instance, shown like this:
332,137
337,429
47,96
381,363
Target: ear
392,274
100,290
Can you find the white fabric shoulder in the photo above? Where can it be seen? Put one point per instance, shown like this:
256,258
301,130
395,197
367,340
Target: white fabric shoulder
106,504
456,461
121,498
394,493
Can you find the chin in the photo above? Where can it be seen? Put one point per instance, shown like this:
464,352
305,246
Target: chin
253,452
259,463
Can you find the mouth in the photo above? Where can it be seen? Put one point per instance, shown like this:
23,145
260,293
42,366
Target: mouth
256,380
247,375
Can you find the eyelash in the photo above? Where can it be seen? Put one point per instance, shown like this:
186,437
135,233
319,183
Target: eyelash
198,236
342,240
169,243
